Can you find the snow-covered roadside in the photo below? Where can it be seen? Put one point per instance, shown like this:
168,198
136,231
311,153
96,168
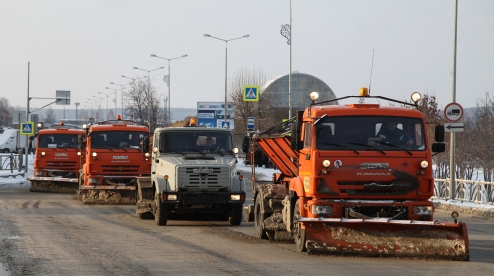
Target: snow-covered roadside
484,210
15,178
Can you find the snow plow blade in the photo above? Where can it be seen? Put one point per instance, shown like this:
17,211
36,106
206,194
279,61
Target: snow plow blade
387,238
108,195
54,185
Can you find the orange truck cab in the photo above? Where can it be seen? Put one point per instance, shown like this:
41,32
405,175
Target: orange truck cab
116,153
57,163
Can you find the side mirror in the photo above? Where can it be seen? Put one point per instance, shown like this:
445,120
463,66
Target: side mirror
246,144
439,133
438,147
145,144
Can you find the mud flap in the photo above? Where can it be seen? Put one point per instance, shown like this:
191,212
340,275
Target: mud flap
108,195
54,185
383,237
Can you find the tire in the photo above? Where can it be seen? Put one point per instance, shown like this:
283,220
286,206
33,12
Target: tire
161,214
236,217
259,218
6,150
298,233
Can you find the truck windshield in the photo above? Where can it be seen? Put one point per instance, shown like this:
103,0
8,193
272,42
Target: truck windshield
57,141
183,141
117,139
382,133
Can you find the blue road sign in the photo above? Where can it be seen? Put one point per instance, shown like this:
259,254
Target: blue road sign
225,125
251,93
27,128
250,123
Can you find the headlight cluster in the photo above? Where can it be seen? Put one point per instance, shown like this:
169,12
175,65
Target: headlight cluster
171,197
235,197
322,209
422,210
93,180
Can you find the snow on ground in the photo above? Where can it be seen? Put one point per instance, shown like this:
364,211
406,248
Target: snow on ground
8,179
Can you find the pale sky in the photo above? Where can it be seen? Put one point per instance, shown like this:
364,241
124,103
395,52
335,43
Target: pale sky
84,45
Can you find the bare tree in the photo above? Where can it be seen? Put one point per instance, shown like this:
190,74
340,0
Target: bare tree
5,112
144,104
50,115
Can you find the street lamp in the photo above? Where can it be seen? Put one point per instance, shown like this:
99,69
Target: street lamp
226,59
121,93
149,70
114,100
100,100
168,83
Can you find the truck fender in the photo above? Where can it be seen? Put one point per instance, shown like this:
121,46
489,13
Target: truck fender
161,184
297,185
238,185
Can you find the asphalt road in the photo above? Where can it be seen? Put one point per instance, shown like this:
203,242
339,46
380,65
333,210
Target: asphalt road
54,234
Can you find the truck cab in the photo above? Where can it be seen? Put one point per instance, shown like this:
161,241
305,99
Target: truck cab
193,175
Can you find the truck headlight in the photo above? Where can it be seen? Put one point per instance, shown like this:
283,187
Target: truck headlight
146,154
322,209
234,197
424,164
93,180
422,210
171,197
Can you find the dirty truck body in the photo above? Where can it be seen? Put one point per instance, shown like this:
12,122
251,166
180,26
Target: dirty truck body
115,155
346,189
190,180
57,163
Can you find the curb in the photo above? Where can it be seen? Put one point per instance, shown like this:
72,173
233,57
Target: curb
484,213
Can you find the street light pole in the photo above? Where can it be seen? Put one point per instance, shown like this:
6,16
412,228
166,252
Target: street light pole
116,111
107,115
100,99
226,63
121,93
168,83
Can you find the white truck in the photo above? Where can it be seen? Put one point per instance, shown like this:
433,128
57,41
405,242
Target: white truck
11,140
192,178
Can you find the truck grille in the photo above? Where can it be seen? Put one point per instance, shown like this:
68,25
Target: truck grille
203,178
57,165
116,169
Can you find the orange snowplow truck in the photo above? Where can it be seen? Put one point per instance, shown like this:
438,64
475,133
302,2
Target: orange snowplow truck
116,155
57,163
355,179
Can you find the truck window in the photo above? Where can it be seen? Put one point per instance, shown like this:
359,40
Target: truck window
118,139
57,141
190,140
386,133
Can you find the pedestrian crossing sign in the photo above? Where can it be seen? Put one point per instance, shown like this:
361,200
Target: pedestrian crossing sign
27,128
251,93
225,125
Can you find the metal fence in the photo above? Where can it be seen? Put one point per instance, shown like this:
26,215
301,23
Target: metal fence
480,192
12,162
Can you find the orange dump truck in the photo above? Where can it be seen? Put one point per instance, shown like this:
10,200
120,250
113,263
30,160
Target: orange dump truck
116,155
355,179
57,163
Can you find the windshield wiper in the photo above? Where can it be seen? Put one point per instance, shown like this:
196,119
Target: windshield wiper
369,146
341,146
395,146
181,150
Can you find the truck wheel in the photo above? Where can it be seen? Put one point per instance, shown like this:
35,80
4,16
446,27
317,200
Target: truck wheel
236,217
298,233
161,214
6,150
259,218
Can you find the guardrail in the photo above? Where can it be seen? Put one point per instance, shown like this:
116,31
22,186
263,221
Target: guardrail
480,192
12,162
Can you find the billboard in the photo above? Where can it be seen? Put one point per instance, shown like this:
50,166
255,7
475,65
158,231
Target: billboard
212,114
